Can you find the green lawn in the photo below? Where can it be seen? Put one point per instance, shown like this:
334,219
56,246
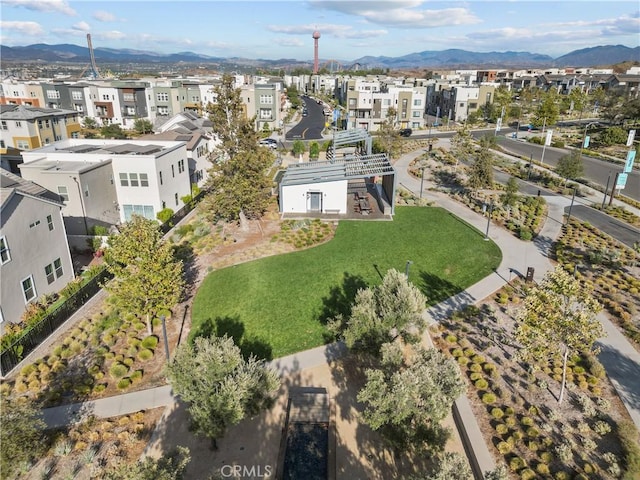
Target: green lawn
278,305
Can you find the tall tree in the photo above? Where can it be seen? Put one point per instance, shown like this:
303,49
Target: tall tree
570,166
239,186
220,386
230,122
388,133
449,466
558,317
462,144
510,192
148,279
548,110
381,313
142,126
20,436
502,99
481,171
406,403
113,131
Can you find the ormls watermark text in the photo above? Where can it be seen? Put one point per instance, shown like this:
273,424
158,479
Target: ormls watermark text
246,471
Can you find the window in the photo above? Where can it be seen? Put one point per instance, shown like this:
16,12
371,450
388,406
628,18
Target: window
417,102
160,178
18,124
76,95
28,289
50,222
4,125
175,195
34,224
266,99
131,110
53,94
124,180
128,97
265,113
173,171
162,97
416,114
144,180
2,144
86,190
57,264
145,211
163,110
63,192
22,145
180,166
5,256
105,97
78,108
48,271
133,179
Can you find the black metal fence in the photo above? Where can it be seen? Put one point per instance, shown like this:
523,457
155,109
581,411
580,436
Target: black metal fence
40,331
180,214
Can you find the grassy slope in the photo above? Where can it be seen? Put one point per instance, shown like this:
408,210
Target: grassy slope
276,306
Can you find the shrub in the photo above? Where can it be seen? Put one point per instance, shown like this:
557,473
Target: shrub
478,359
564,452
99,388
124,383
457,352
150,342
497,413
128,361
527,474
488,398
118,370
504,448
562,475
475,376
516,463
501,429
533,432
510,421
527,421
137,375
489,367
145,354
164,215
481,384
601,427
451,338
543,469
475,367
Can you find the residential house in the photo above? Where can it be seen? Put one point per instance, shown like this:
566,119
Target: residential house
106,181
34,253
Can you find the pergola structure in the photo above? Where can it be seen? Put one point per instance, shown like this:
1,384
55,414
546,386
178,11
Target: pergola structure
354,136
315,177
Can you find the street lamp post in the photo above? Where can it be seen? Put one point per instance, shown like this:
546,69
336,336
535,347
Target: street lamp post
406,269
164,334
571,206
421,181
584,137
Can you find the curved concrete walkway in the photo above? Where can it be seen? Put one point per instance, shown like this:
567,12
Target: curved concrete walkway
620,360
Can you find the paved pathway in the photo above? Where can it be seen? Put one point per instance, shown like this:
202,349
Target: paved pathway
620,360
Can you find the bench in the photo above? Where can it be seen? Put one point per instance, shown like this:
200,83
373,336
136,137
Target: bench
332,211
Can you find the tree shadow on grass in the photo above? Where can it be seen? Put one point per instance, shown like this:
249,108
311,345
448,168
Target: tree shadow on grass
234,328
339,300
435,288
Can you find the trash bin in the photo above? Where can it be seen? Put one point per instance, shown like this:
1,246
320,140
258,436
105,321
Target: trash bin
530,272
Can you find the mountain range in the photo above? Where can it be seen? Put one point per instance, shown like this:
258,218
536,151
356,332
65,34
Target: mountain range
588,57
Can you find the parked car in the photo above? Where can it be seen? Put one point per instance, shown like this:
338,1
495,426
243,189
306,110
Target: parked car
405,132
269,142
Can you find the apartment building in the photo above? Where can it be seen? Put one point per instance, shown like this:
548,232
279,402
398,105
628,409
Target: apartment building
25,127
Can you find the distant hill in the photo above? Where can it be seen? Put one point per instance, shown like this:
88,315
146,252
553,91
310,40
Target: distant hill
594,56
452,58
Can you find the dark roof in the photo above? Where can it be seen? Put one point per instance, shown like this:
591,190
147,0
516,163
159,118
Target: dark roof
350,167
10,182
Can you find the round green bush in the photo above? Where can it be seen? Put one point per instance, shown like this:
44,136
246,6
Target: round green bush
475,376
145,354
133,341
451,338
533,432
150,342
509,411
501,429
128,361
497,413
482,384
99,388
516,463
456,352
468,352
562,475
475,367
118,370
527,474
135,376
124,383
527,421
510,421
478,359
504,448
488,398
463,360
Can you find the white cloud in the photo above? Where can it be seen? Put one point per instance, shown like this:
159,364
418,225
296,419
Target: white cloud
82,26
103,16
59,6
339,31
290,42
110,35
25,28
403,14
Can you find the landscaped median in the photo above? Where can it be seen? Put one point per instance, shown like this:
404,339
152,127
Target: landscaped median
279,305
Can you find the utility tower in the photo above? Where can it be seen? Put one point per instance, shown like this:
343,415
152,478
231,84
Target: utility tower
316,36
94,67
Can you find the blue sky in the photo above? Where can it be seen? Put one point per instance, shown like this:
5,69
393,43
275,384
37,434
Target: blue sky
349,29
